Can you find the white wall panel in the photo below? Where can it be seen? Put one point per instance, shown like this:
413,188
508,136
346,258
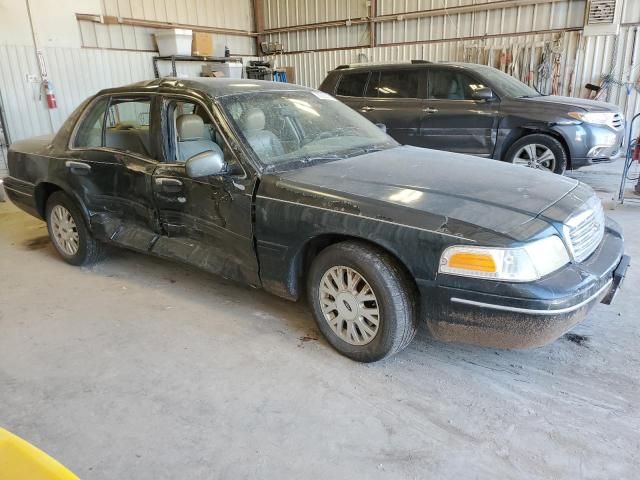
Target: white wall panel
559,14
235,14
76,74
283,13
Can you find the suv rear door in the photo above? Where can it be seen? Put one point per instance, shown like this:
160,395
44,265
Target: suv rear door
393,97
453,120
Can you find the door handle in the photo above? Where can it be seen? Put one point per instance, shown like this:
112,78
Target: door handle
169,184
77,168
367,109
430,110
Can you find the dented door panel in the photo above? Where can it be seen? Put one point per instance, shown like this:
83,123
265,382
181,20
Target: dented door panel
206,222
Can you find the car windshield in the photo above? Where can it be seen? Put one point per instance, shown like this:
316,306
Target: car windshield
292,129
507,85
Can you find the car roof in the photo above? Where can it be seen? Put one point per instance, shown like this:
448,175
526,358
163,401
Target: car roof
404,65
214,87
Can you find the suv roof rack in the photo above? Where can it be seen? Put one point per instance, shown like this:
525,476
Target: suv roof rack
342,67
414,61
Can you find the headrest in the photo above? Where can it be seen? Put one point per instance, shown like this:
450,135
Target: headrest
253,120
190,127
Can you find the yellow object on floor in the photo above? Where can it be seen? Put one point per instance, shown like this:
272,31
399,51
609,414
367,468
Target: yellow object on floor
20,460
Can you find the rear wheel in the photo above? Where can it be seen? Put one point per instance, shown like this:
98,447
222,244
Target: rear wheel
539,151
362,300
68,232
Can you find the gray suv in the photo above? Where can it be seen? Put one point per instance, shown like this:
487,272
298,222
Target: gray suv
479,110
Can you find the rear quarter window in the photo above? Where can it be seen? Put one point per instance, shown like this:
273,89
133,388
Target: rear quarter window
352,84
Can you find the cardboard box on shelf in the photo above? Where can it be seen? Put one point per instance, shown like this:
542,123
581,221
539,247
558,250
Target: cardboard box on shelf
202,44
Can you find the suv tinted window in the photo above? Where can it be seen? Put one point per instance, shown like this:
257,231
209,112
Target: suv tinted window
352,84
394,84
451,85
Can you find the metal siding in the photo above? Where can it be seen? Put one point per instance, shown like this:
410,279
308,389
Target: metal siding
207,13
284,13
75,73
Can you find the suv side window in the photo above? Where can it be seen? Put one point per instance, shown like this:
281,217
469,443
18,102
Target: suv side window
451,85
352,84
394,84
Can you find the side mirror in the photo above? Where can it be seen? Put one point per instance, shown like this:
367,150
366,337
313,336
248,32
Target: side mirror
382,127
483,94
205,164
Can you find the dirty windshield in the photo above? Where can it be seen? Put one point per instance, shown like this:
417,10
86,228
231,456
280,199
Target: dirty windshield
288,130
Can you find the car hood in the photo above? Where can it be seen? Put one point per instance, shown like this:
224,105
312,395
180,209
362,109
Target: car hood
575,103
430,189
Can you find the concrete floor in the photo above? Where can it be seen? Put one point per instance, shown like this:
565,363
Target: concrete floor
143,369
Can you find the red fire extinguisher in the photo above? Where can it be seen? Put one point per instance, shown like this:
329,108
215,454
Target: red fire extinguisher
50,94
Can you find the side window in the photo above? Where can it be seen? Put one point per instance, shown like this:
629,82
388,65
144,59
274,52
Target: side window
128,125
89,134
451,85
395,84
192,130
352,84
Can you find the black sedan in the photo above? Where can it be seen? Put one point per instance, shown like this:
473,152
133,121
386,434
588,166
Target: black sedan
287,189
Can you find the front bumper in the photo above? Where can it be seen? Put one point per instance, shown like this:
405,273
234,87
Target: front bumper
534,314
590,144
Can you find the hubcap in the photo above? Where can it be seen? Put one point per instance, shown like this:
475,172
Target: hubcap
349,305
536,156
64,230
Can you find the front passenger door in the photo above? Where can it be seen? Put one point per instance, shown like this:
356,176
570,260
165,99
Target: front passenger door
205,221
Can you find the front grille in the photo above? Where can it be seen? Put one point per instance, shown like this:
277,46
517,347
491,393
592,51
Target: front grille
617,121
584,230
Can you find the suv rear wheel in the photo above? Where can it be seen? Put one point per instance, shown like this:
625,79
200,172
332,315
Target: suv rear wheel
539,151
362,300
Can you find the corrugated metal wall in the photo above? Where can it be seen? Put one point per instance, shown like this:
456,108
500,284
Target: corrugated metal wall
76,74
236,14
544,15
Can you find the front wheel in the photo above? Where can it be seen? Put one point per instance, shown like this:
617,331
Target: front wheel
539,151
363,301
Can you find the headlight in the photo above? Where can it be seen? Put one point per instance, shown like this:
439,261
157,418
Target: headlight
522,264
595,118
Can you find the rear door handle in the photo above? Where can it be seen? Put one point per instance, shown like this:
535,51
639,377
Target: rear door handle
367,109
77,168
169,184
430,110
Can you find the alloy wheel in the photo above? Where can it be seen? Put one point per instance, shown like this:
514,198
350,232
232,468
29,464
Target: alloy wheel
64,230
537,156
349,305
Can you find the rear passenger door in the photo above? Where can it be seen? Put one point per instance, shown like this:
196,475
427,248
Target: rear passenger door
393,98
350,88
113,156
453,120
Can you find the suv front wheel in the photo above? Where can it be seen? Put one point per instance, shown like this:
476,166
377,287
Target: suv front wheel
539,151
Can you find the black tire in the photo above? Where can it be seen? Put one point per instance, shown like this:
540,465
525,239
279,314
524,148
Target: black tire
89,249
393,290
541,139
